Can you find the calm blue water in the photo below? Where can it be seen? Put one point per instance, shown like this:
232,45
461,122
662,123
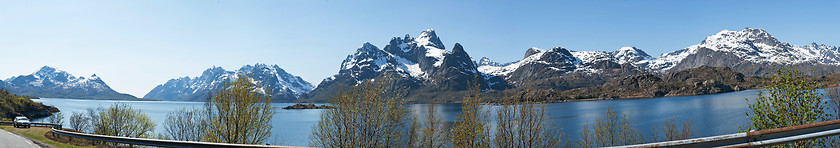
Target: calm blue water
715,114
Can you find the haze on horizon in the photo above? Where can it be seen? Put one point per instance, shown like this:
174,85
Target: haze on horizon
136,45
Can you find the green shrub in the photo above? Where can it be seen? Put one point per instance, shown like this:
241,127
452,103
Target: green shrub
788,100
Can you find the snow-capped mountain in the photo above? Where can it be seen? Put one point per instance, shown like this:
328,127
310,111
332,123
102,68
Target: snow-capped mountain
484,61
558,59
425,64
559,68
53,83
284,87
581,61
421,62
750,51
631,55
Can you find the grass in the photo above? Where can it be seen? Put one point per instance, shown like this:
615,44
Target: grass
41,134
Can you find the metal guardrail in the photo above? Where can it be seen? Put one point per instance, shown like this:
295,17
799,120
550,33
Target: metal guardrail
756,138
53,125
157,142
56,129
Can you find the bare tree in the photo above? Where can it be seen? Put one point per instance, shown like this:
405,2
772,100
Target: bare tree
79,122
56,118
673,133
93,119
434,129
524,124
834,95
239,113
469,129
185,125
586,137
369,114
610,130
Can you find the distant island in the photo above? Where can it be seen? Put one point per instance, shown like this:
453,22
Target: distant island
308,106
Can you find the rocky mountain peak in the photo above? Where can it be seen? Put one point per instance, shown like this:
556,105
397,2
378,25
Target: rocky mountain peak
260,67
458,49
532,51
94,77
460,59
367,47
629,55
407,38
558,54
484,61
46,69
746,36
364,56
213,71
630,51
48,72
429,39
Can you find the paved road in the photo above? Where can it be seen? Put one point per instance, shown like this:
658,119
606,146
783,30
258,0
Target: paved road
11,140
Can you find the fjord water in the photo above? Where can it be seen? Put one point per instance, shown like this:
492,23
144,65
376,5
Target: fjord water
714,114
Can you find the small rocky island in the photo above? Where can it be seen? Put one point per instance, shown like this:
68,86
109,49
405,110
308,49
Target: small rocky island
308,106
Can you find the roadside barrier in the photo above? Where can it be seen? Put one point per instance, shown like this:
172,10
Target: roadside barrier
756,138
157,142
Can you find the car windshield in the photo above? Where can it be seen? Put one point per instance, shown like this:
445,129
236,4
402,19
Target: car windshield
21,118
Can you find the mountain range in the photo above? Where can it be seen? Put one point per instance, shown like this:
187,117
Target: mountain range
49,82
282,86
421,64
425,67
429,70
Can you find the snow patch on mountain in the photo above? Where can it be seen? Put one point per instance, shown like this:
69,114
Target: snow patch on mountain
592,56
631,55
409,67
50,77
505,70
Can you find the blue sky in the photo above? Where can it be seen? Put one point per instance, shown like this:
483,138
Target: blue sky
136,45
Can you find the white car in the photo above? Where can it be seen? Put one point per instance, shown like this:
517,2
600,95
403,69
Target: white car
21,121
